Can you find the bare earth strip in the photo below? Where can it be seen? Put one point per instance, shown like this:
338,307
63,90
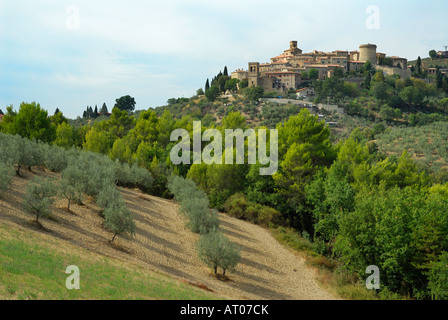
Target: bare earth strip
164,244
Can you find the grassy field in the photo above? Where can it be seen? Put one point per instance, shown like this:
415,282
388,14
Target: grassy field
32,266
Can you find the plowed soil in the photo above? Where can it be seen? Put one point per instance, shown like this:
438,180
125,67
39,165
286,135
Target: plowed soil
164,244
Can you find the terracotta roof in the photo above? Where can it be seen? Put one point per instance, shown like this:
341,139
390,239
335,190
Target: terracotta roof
280,62
282,72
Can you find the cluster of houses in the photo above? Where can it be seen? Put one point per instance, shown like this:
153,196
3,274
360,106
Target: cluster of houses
284,72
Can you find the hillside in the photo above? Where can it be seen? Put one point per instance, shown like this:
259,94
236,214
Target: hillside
431,63
162,246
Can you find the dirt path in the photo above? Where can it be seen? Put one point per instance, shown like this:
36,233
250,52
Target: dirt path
162,243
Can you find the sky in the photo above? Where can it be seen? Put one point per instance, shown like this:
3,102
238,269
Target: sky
73,54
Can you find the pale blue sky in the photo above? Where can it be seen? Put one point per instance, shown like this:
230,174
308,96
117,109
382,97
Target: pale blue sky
156,50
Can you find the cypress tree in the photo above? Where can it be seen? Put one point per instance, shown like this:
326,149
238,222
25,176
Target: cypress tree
104,110
207,85
225,71
418,67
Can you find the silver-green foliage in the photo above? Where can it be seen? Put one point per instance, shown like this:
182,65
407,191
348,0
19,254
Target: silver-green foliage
72,193
109,196
132,176
54,158
119,220
194,204
6,174
216,251
19,151
201,219
39,197
183,188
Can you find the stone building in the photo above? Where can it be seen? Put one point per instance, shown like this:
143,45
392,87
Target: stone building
283,72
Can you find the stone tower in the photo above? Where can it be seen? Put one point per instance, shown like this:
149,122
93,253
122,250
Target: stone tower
367,52
253,74
293,49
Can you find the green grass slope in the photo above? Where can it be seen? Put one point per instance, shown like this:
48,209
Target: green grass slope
33,265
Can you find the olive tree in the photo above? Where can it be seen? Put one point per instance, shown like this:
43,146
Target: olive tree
39,197
6,174
216,251
119,220
70,191
201,218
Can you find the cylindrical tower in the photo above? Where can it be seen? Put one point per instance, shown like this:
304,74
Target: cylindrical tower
367,52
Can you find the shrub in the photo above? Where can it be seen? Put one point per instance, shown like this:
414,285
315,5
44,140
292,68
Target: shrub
239,207
39,197
216,251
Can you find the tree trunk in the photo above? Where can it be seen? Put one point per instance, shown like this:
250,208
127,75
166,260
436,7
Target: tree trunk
113,238
18,170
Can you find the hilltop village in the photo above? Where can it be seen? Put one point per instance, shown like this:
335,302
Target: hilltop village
285,71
